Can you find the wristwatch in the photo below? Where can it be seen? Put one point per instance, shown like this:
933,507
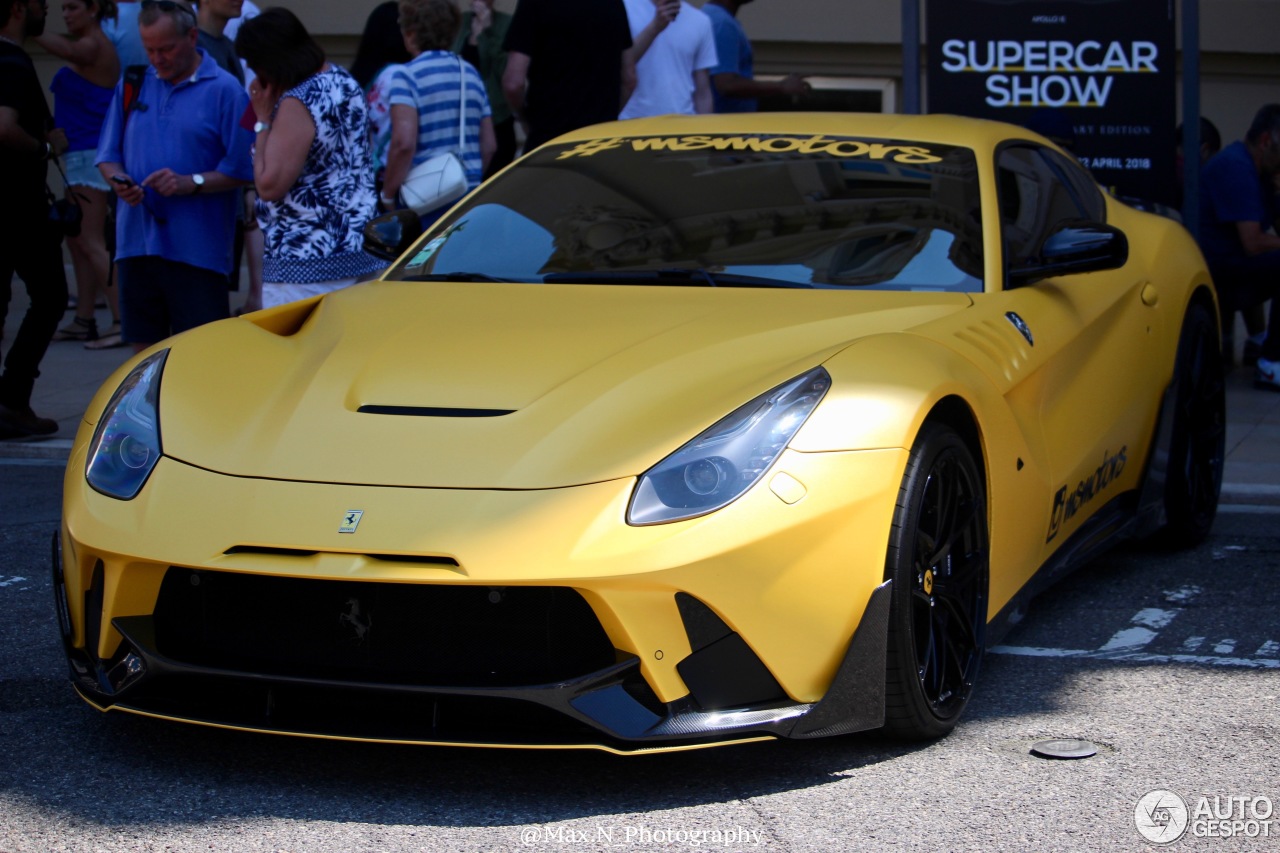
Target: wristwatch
198,180
259,126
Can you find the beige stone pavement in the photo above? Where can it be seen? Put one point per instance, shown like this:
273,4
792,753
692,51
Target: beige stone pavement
70,375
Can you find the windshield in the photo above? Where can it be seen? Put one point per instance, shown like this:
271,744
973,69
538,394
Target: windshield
818,212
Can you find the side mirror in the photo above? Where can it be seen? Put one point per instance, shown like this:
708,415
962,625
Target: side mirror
389,236
1075,247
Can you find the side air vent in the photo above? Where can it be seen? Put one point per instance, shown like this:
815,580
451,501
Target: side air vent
433,412
999,344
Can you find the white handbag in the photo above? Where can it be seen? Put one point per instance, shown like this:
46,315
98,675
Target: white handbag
441,178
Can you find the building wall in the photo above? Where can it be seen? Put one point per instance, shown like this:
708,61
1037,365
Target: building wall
862,39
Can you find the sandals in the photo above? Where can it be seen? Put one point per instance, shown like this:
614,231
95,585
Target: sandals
79,329
110,339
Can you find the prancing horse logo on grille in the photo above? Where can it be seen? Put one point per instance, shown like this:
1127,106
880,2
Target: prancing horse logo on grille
351,520
357,620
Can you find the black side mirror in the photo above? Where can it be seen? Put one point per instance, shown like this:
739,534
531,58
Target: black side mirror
1075,247
390,235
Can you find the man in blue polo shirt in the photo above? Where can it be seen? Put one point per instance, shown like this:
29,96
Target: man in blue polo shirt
177,159
734,85
1238,217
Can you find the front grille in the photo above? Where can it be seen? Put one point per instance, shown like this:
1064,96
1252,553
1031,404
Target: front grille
388,633
363,714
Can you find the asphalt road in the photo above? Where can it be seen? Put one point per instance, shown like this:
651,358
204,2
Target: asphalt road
1169,663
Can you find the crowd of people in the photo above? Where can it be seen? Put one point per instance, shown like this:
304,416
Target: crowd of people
1239,213
197,138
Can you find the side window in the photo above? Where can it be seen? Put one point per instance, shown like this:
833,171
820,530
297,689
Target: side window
1082,184
1039,190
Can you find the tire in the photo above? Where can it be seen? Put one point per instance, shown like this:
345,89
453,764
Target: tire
938,559
1197,448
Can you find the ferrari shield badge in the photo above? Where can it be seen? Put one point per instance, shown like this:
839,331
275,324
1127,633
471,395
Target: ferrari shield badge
351,520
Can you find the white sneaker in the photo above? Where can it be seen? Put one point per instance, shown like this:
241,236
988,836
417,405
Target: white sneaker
1267,375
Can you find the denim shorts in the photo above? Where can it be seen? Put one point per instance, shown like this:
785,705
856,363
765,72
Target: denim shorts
81,172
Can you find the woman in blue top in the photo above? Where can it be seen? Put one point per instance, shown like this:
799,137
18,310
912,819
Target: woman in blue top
311,162
82,93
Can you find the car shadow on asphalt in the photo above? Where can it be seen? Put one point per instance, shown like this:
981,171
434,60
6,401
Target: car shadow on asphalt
116,769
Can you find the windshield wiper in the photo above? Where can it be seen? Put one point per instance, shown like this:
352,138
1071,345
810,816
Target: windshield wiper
457,276
679,276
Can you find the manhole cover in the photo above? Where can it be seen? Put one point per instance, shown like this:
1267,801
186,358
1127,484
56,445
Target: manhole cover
1064,748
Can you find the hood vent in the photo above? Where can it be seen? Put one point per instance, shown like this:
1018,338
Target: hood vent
433,412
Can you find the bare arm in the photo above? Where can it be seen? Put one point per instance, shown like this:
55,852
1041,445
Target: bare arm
514,79
703,102
731,85
167,182
488,143
663,14
629,79
82,52
14,138
281,151
126,188
404,143
1254,240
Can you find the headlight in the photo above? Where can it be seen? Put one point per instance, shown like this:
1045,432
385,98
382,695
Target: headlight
715,468
126,444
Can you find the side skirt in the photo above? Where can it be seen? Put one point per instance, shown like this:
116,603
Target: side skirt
1116,522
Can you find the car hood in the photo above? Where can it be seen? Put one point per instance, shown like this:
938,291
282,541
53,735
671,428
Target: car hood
496,386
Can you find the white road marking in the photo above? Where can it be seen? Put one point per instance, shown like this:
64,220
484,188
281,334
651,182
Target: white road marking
1212,660
1127,643
11,581
1037,652
1248,509
1182,595
1129,638
1149,621
1138,657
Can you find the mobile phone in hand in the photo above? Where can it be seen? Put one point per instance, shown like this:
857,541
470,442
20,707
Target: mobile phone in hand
122,180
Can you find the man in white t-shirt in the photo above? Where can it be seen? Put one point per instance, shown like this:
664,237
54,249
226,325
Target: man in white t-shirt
674,50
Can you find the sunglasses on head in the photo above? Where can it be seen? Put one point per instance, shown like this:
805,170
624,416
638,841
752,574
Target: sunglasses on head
171,6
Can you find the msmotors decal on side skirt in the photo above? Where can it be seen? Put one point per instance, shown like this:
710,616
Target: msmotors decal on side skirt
1066,503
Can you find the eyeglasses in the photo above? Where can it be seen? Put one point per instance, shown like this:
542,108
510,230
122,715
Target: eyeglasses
171,6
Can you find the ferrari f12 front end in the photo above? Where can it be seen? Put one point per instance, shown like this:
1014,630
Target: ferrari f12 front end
549,631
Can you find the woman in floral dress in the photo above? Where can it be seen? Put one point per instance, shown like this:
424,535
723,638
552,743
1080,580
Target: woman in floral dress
311,164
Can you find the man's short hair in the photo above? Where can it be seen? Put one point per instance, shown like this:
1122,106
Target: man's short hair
1266,121
181,13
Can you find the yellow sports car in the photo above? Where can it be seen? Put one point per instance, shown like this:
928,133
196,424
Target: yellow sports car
679,431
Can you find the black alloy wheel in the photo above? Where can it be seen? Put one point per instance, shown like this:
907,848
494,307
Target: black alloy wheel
938,559
1197,450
